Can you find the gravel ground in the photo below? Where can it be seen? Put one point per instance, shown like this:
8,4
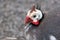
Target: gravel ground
12,15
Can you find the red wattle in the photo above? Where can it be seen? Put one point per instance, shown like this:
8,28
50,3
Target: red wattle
27,19
36,23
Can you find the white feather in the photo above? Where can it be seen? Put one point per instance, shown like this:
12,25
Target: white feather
52,37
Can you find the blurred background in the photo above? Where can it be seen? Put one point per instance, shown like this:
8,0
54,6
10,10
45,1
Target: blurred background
12,15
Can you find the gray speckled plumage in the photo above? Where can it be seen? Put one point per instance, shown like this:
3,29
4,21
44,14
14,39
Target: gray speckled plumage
12,15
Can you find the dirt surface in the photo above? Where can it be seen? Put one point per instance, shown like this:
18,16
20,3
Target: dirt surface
12,15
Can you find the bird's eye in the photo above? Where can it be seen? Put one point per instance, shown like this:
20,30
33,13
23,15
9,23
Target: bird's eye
34,16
